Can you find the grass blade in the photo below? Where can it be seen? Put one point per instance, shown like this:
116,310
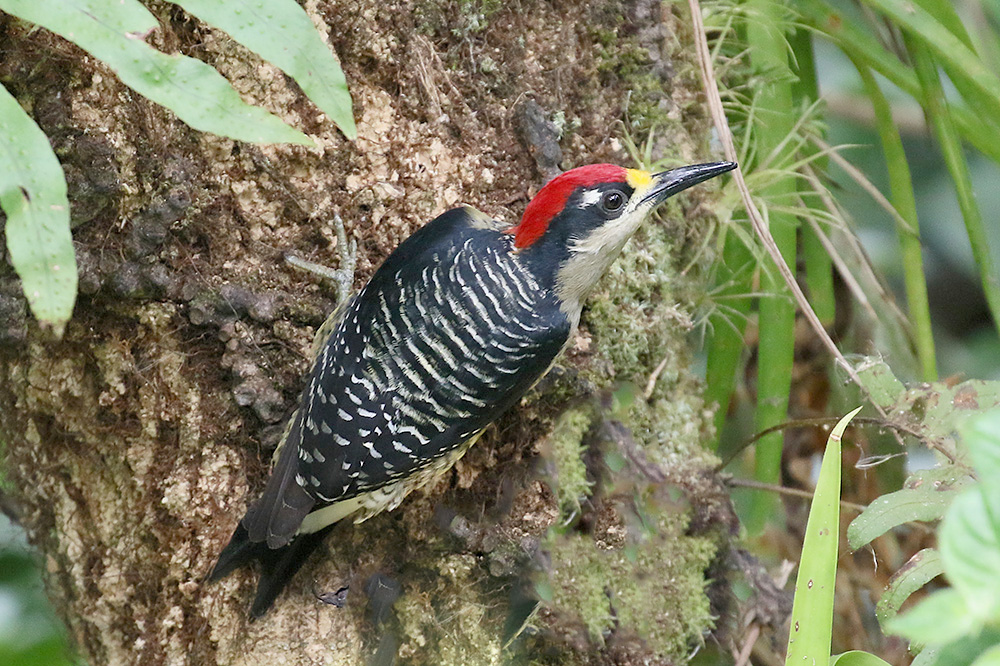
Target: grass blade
726,345
944,12
769,52
865,49
817,261
939,115
904,201
979,86
812,608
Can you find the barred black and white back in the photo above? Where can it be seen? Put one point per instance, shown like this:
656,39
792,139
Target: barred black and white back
425,357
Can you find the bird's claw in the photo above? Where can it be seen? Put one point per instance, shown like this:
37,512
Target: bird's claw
343,276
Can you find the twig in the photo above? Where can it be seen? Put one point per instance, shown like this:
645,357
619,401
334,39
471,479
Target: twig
743,658
829,420
791,492
651,384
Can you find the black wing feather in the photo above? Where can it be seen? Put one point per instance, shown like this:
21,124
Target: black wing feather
423,360
276,516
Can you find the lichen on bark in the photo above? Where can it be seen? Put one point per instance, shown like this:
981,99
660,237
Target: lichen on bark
134,443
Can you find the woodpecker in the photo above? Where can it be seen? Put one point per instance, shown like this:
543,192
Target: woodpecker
457,324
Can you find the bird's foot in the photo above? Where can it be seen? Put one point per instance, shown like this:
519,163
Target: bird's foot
342,277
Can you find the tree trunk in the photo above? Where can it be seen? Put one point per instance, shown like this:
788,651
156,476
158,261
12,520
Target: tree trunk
134,443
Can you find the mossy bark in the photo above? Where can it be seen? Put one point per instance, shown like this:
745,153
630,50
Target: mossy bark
133,444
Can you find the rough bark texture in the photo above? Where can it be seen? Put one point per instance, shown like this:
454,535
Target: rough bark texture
133,444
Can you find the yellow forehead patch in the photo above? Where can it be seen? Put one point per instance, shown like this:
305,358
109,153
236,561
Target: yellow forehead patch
637,179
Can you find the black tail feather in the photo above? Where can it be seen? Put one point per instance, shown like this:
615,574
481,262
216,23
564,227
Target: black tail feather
267,532
239,551
278,565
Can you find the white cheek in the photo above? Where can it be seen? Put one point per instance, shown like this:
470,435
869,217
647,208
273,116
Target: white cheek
589,198
609,237
590,257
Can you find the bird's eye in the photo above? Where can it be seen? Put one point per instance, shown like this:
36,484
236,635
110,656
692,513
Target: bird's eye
613,201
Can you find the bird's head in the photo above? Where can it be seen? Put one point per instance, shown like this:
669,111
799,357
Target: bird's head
578,223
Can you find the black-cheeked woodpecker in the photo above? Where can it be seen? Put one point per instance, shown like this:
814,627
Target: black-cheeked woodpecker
457,324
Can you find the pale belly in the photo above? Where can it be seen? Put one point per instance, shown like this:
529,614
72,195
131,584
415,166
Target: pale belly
387,497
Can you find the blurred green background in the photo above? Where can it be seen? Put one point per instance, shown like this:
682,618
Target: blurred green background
30,633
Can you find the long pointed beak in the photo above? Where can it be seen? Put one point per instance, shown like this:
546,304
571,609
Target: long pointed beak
668,183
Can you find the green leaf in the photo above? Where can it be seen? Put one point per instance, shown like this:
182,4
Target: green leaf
924,566
969,543
33,195
969,540
965,650
879,382
989,658
969,537
982,437
812,608
857,658
944,11
926,497
940,618
932,412
282,33
114,31
926,657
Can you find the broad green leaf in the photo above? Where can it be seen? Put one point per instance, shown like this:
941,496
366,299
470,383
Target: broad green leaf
924,566
965,650
926,497
33,195
932,412
989,658
982,437
114,31
282,33
880,382
812,608
857,658
940,618
926,657
969,541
